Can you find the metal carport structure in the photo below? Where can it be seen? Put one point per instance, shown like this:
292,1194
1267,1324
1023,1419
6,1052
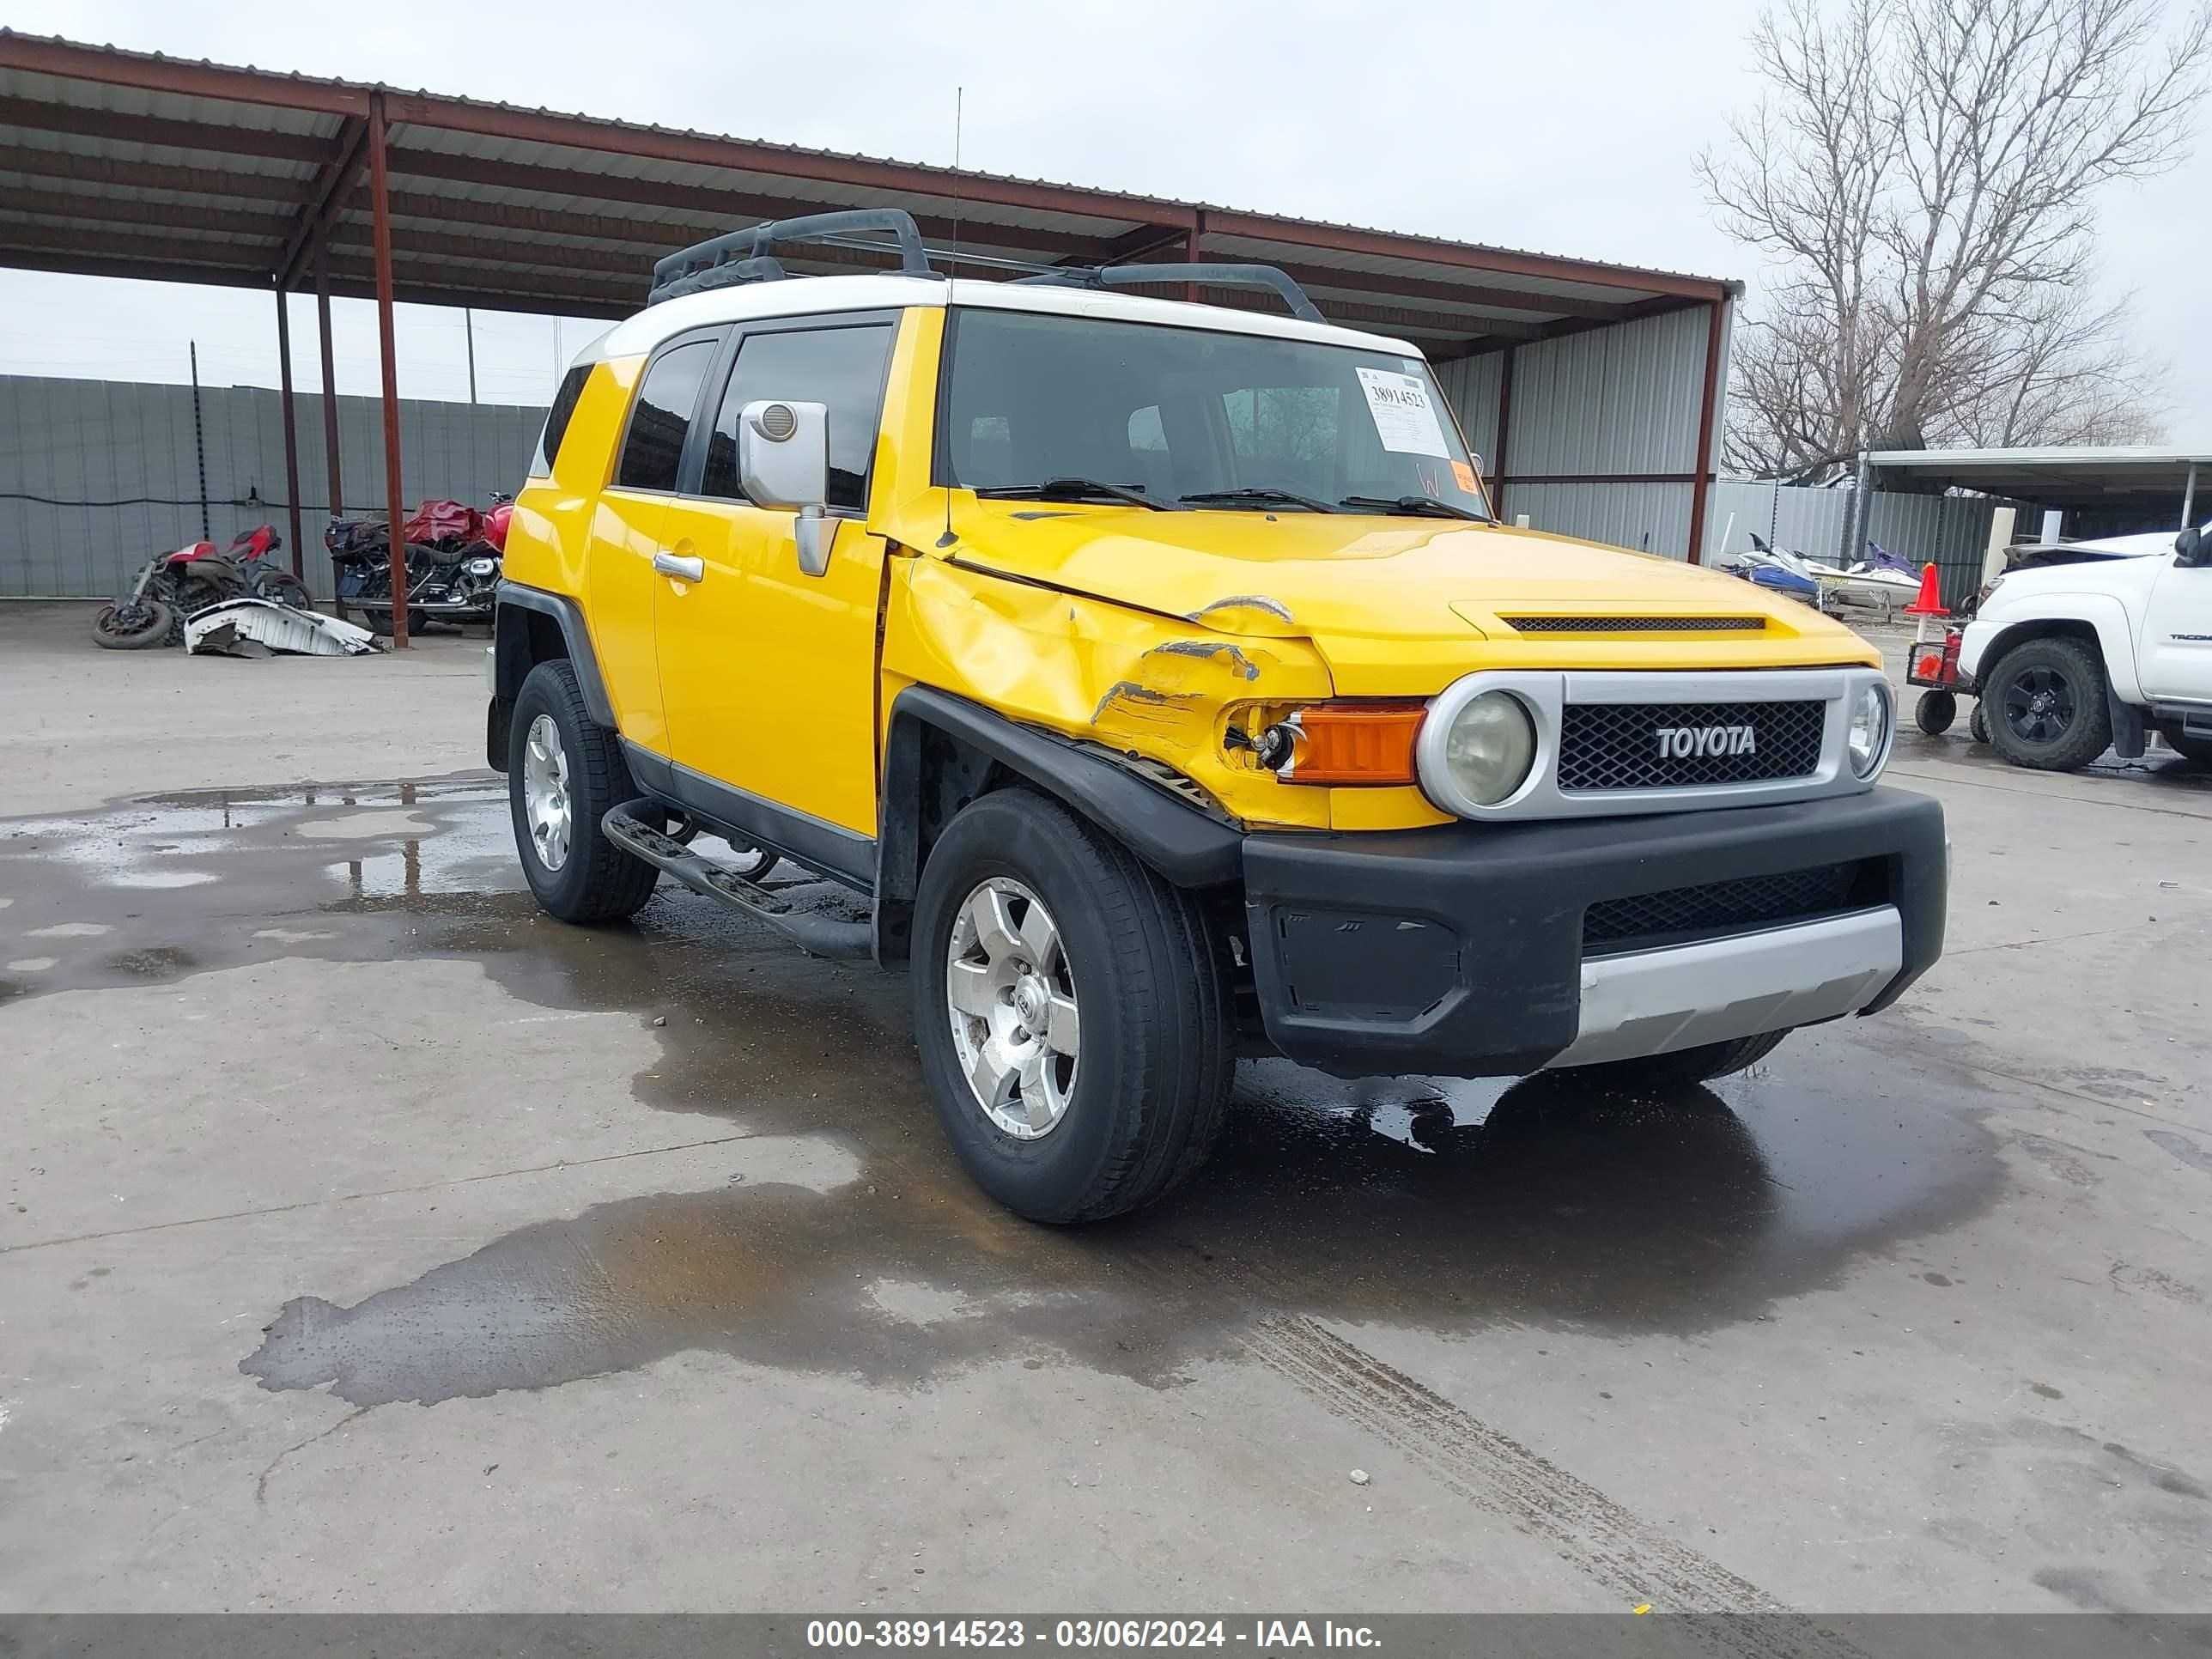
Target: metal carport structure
1603,383
2103,491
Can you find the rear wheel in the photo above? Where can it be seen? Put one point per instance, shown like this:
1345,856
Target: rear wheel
286,588
1936,711
2047,705
1072,1012
563,772
2198,750
1977,723
1683,1065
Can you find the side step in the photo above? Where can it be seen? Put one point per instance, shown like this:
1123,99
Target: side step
817,935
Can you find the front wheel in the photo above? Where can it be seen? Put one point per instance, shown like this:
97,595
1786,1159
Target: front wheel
1681,1067
1071,1010
1936,711
2047,705
563,772
134,625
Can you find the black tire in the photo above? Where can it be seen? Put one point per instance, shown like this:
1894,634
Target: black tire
286,588
2196,750
1681,1068
1977,723
2048,710
1148,1093
142,626
1936,711
596,880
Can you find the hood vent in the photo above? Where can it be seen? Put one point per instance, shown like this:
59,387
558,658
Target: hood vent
1635,625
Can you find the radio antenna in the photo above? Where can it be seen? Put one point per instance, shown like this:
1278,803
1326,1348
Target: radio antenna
959,103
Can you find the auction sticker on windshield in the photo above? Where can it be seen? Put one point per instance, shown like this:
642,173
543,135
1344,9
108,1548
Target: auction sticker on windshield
1404,418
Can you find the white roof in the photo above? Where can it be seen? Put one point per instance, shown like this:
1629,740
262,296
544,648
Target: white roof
2065,456
801,296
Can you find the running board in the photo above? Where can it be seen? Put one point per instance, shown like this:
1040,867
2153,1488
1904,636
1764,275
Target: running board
817,935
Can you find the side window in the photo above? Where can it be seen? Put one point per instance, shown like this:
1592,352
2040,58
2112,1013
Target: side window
557,418
841,368
654,448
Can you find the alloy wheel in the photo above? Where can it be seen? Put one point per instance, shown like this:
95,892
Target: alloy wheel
545,793
1010,997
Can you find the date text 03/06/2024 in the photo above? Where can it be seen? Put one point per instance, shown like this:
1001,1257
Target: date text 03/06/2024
1256,1635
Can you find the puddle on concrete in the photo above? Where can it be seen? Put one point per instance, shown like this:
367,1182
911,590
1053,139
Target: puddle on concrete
1442,1205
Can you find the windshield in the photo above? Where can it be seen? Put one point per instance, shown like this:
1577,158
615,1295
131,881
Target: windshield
1047,404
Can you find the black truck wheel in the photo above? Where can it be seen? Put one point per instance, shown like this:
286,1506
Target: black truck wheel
2196,750
563,772
1072,1011
2047,707
1936,711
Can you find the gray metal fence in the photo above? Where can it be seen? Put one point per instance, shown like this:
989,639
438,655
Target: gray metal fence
97,475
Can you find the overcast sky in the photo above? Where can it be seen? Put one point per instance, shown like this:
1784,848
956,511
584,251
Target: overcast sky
1568,128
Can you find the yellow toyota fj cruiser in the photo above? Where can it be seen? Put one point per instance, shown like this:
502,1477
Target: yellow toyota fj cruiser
1158,675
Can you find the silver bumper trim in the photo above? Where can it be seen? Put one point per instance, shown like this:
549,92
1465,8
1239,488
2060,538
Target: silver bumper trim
1653,1002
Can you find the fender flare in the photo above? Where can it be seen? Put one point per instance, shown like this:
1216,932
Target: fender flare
512,660
2101,612
1184,844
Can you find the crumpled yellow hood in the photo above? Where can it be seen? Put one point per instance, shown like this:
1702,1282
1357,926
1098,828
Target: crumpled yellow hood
1397,606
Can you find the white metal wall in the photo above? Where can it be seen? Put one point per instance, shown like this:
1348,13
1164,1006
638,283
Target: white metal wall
97,475
1471,385
1615,403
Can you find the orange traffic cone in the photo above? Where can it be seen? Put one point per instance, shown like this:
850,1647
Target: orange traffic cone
1929,601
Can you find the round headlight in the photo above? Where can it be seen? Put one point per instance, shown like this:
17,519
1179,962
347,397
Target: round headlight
1490,747
1870,735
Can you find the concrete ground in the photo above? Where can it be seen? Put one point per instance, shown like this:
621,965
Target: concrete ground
369,1242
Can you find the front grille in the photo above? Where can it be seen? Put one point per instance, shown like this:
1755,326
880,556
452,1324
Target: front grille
1729,907
1635,625
1617,745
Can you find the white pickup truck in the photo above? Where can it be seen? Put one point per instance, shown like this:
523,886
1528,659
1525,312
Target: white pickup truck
2070,659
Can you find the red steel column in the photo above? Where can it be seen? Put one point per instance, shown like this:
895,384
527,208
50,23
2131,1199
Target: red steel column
330,381
379,191
291,436
1702,471
1505,419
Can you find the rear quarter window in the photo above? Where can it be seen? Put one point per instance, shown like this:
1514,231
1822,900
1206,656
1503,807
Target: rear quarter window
565,400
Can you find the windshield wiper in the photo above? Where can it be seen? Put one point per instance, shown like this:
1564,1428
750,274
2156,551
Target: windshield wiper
1427,505
1073,490
1260,497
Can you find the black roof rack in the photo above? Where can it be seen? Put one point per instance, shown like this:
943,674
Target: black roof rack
1266,277
747,256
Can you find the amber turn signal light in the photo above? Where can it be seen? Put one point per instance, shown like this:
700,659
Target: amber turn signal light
1355,743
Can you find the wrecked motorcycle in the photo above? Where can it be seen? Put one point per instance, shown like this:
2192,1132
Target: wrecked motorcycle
170,586
452,563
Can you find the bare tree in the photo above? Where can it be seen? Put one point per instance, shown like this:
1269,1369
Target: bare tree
1922,175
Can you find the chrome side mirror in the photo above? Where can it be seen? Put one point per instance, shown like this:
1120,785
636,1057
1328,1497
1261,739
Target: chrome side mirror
783,462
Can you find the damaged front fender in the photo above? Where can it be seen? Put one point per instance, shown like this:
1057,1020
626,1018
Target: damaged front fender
1163,688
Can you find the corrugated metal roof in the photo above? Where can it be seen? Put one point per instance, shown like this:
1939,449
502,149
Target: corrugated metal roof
128,163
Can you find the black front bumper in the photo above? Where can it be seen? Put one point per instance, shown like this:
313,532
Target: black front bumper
1458,950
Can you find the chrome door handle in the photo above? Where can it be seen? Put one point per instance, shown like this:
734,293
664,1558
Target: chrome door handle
689,571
